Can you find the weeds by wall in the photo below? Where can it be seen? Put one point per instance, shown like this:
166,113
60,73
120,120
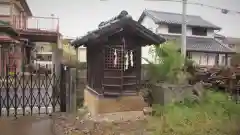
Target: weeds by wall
214,115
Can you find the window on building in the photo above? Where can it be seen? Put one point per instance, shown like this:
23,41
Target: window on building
223,60
177,29
39,57
204,59
189,55
42,49
199,31
229,60
49,58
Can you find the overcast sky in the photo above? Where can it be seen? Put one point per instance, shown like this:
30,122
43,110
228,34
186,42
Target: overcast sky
77,17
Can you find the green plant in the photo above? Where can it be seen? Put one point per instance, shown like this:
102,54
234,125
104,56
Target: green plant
191,68
167,64
215,115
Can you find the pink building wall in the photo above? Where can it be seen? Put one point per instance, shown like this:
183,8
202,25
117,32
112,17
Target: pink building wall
12,59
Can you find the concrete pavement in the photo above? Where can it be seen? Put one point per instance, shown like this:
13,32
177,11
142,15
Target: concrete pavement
26,125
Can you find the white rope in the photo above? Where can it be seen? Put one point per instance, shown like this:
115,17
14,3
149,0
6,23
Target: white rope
131,58
126,61
115,58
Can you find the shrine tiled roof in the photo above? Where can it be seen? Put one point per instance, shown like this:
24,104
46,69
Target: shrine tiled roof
117,24
202,44
174,18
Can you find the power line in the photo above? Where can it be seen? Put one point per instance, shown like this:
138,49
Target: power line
223,10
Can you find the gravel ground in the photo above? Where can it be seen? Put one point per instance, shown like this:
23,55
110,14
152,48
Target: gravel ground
120,123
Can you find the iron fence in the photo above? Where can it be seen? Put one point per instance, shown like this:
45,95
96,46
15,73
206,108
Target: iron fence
30,93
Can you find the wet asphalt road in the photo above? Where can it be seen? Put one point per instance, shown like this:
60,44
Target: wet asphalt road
27,125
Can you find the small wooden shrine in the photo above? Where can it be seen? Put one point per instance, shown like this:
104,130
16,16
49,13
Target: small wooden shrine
114,56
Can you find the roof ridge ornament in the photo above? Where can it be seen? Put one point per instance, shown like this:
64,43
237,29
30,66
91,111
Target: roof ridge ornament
118,17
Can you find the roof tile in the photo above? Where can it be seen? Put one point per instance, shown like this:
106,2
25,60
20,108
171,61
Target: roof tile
174,18
202,44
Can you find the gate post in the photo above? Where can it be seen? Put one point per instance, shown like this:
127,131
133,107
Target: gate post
72,91
56,73
63,86
57,56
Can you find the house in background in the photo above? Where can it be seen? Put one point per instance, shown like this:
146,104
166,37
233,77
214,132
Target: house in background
43,55
201,45
17,16
233,43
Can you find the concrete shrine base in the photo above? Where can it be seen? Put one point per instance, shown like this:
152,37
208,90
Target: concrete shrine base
98,104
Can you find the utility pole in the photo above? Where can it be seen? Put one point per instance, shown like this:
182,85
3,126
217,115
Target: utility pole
184,27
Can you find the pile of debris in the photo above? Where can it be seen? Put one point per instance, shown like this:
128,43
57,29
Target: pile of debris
221,78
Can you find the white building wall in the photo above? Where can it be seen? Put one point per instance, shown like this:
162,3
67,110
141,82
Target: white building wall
189,31
210,33
43,49
149,24
82,54
199,58
145,54
204,59
211,59
4,9
162,29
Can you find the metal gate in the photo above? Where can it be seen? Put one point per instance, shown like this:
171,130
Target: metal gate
30,90
31,93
